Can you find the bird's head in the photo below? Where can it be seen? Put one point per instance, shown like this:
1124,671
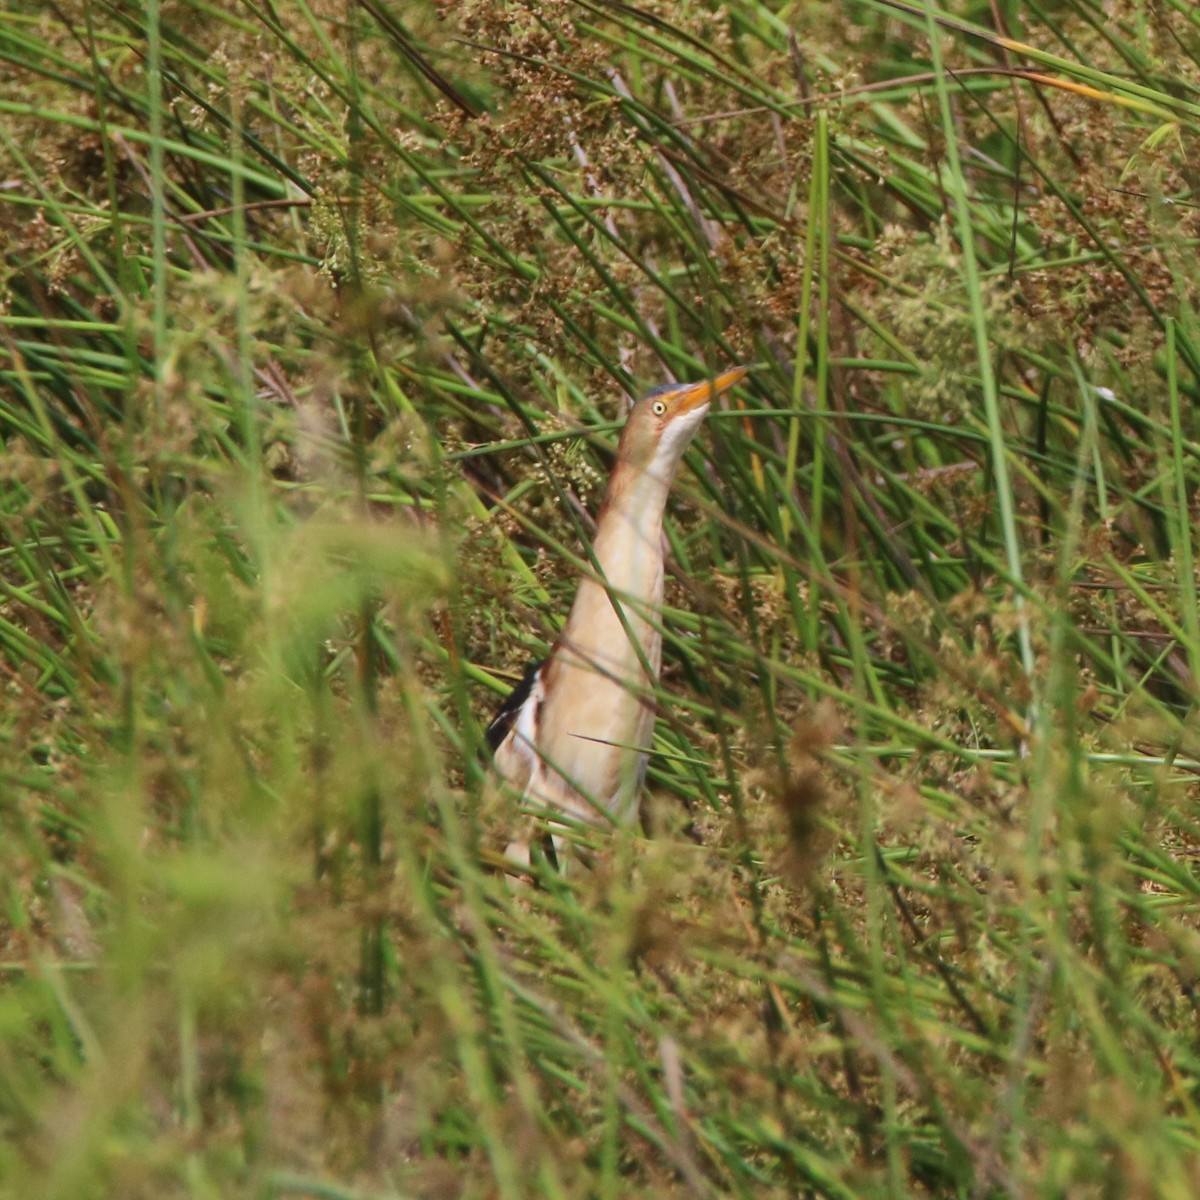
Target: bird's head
662,423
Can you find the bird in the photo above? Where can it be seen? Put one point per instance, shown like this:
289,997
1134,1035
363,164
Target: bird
572,739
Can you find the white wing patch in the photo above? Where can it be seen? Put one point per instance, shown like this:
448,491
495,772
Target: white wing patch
517,756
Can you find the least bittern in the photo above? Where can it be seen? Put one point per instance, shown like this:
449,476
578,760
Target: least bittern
573,738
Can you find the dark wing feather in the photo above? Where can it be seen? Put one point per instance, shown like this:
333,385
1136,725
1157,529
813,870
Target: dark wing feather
506,714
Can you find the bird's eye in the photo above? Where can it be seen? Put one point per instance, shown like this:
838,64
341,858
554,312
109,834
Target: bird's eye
658,408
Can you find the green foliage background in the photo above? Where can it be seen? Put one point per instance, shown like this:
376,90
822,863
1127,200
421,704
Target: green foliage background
316,324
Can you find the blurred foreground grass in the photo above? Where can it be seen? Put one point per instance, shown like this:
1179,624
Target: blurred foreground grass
315,324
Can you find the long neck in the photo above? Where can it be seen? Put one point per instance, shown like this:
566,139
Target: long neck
628,545
629,558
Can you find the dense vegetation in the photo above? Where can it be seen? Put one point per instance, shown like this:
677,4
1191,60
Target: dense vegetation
316,322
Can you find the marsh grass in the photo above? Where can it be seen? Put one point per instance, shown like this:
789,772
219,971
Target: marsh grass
316,323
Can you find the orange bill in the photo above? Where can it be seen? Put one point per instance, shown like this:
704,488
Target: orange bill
692,396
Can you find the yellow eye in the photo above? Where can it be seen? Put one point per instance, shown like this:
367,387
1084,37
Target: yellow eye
658,408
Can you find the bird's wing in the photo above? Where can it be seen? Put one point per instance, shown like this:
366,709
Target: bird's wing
512,735
528,691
